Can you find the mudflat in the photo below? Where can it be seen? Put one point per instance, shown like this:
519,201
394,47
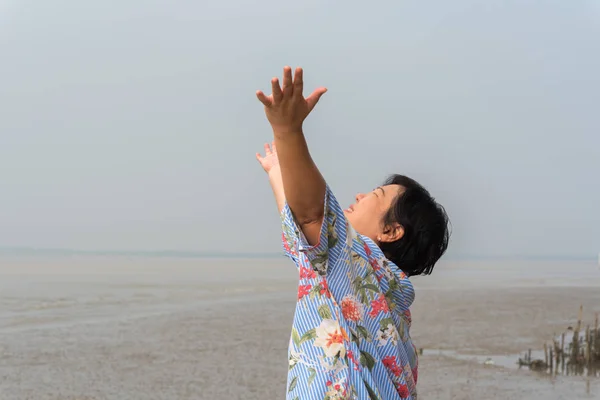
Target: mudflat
92,328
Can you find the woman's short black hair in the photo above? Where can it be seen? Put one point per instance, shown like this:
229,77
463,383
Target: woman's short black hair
425,223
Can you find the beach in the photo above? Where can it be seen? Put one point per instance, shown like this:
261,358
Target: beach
100,328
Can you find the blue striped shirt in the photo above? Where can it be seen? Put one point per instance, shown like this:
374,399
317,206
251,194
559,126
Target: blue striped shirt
350,337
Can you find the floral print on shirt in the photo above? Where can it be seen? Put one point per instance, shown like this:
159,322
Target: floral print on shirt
350,337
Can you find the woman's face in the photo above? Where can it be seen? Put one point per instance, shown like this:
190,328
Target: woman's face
366,215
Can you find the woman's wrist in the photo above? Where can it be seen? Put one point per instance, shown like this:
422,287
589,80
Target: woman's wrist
274,173
277,186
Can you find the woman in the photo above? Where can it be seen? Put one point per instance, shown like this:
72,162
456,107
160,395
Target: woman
350,337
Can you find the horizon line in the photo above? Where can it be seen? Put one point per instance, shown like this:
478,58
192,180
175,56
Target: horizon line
24,250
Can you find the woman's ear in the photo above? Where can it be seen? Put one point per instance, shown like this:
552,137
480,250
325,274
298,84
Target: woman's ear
391,233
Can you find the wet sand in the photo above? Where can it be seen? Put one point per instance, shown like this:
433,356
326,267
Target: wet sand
83,328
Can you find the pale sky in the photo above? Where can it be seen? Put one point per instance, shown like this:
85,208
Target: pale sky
132,125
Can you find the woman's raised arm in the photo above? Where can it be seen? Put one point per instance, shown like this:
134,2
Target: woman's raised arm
304,186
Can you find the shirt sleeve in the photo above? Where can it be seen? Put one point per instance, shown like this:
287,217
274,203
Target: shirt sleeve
332,237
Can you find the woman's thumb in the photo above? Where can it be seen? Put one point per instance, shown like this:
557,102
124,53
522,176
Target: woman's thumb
314,97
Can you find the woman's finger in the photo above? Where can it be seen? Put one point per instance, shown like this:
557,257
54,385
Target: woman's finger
276,90
273,149
288,88
298,82
263,98
314,97
267,149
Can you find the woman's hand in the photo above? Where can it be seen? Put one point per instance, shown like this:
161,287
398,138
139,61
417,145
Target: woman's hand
302,184
286,107
270,164
270,160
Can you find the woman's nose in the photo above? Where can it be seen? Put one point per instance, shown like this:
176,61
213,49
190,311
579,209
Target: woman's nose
359,197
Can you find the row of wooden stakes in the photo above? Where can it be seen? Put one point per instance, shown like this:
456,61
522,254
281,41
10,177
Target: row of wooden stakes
574,352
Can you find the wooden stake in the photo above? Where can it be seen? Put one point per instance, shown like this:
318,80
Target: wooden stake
557,351
596,348
551,362
588,349
562,353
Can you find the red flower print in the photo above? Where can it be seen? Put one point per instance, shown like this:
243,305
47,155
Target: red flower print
367,250
402,275
374,264
376,268
408,316
286,246
350,356
307,273
415,373
303,290
390,363
352,309
324,288
378,306
403,390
